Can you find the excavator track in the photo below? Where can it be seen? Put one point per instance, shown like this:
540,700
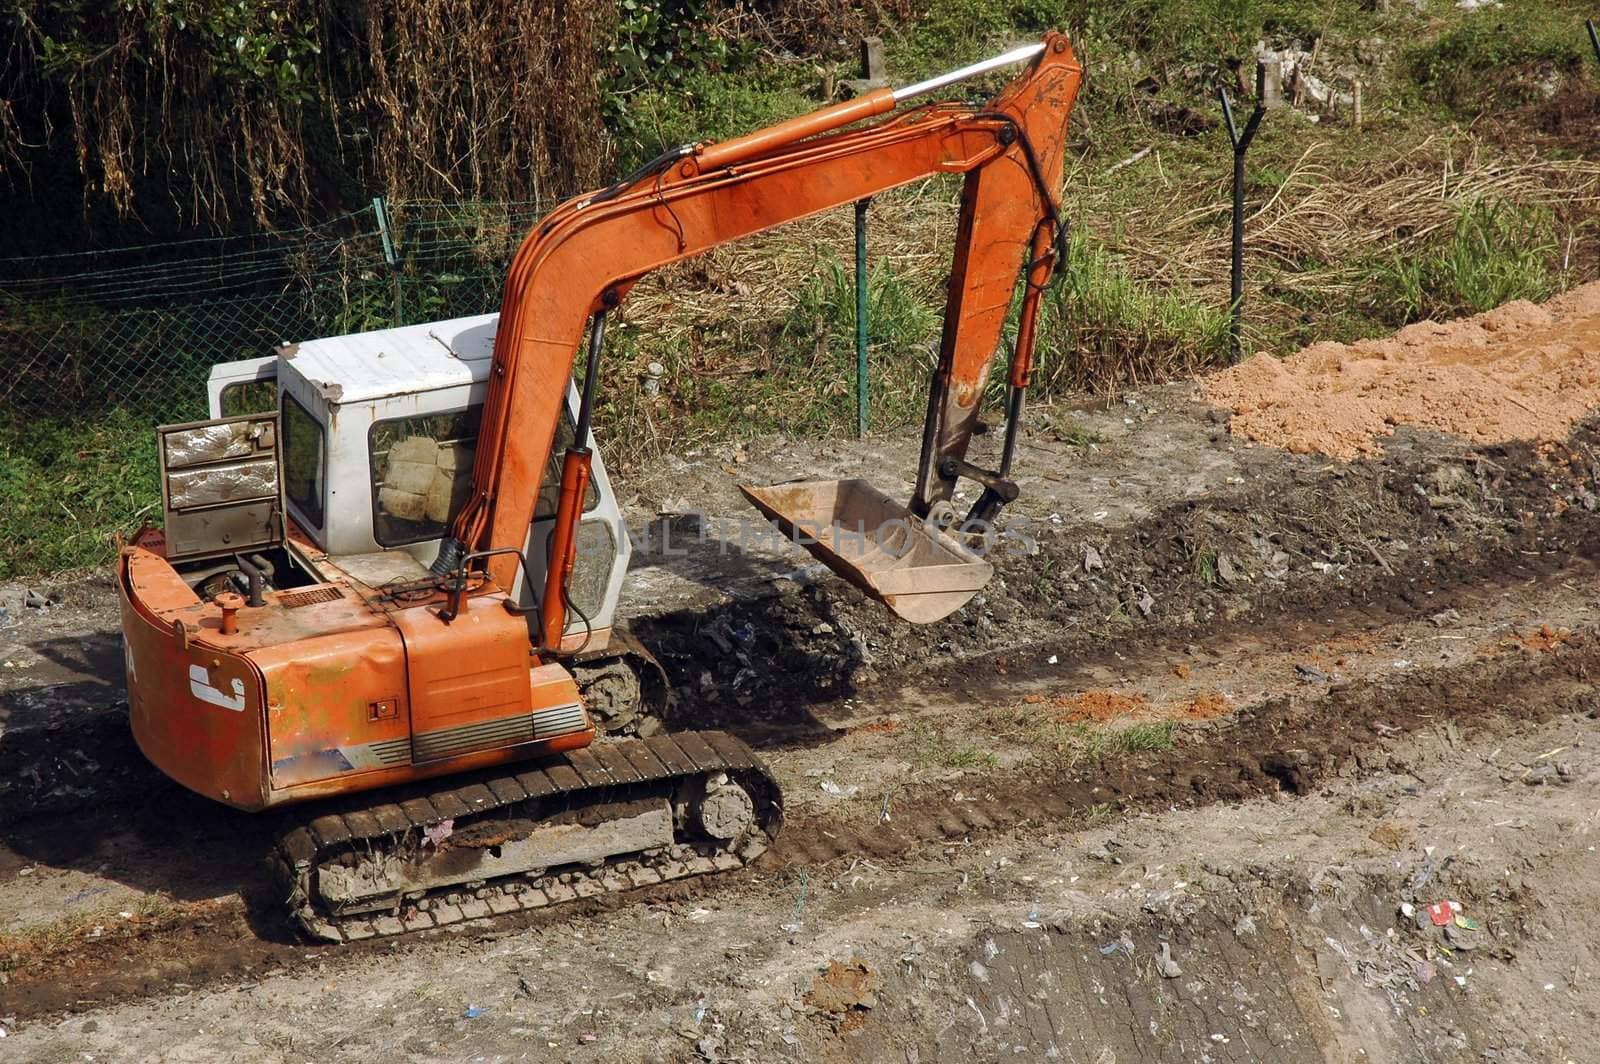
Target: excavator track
614,816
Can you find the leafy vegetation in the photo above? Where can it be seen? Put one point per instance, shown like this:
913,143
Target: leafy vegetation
1495,253
660,52
67,485
656,115
195,112
1100,327
1071,744
902,324
934,747
1500,57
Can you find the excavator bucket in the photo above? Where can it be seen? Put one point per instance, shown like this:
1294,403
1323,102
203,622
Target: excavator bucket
919,572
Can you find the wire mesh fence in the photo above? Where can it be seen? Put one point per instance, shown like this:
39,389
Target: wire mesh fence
140,327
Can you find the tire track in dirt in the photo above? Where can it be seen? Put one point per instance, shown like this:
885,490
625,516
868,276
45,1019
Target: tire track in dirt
1284,744
1281,745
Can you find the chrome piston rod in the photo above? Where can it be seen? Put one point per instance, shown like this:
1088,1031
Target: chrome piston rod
933,84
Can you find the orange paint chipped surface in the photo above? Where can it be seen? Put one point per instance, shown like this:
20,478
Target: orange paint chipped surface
1518,372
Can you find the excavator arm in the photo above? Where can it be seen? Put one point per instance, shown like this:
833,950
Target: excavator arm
582,259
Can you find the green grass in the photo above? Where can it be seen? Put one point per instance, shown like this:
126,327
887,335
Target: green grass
1496,252
1499,57
1200,32
934,747
65,487
1099,325
900,319
1073,743
1156,737
712,106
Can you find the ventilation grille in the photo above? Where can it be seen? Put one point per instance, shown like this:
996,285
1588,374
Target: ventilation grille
504,731
391,751
310,596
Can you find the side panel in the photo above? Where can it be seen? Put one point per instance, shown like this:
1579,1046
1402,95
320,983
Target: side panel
336,706
469,680
196,712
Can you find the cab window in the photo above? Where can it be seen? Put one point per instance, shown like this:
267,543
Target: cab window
248,397
421,474
550,490
305,460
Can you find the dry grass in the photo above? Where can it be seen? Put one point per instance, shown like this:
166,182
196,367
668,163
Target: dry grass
1142,301
268,106
1314,237
1322,215
44,947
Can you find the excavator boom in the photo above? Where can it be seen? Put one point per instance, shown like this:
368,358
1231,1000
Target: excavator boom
582,259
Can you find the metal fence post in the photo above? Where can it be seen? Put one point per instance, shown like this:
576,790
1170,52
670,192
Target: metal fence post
1594,38
390,256
861,316
1241,144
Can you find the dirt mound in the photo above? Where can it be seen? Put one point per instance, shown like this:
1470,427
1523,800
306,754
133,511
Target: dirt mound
1099,706
1520,371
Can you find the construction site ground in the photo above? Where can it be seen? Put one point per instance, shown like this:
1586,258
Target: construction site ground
1181,784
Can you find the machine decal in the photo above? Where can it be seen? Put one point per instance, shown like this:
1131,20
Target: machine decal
333,761
200,687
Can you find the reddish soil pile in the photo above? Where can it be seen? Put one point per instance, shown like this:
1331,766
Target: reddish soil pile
1545,639
1098,706
1207,706
1520,371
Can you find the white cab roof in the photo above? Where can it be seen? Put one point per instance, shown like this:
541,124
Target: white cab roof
386,362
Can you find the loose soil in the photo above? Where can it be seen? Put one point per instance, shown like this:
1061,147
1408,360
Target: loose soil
1518,372
1159,793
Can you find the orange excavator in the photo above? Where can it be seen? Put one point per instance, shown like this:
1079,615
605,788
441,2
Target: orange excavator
389,595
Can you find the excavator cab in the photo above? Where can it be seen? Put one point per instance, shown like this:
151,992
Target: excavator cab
378,434
377,438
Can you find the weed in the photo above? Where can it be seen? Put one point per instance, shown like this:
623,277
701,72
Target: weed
1200,33
899,321
935,748
1153,737
1500,60
1096,814
1083,741
707,106
1102,328
42,945
1495,253
1070,431
1205,567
